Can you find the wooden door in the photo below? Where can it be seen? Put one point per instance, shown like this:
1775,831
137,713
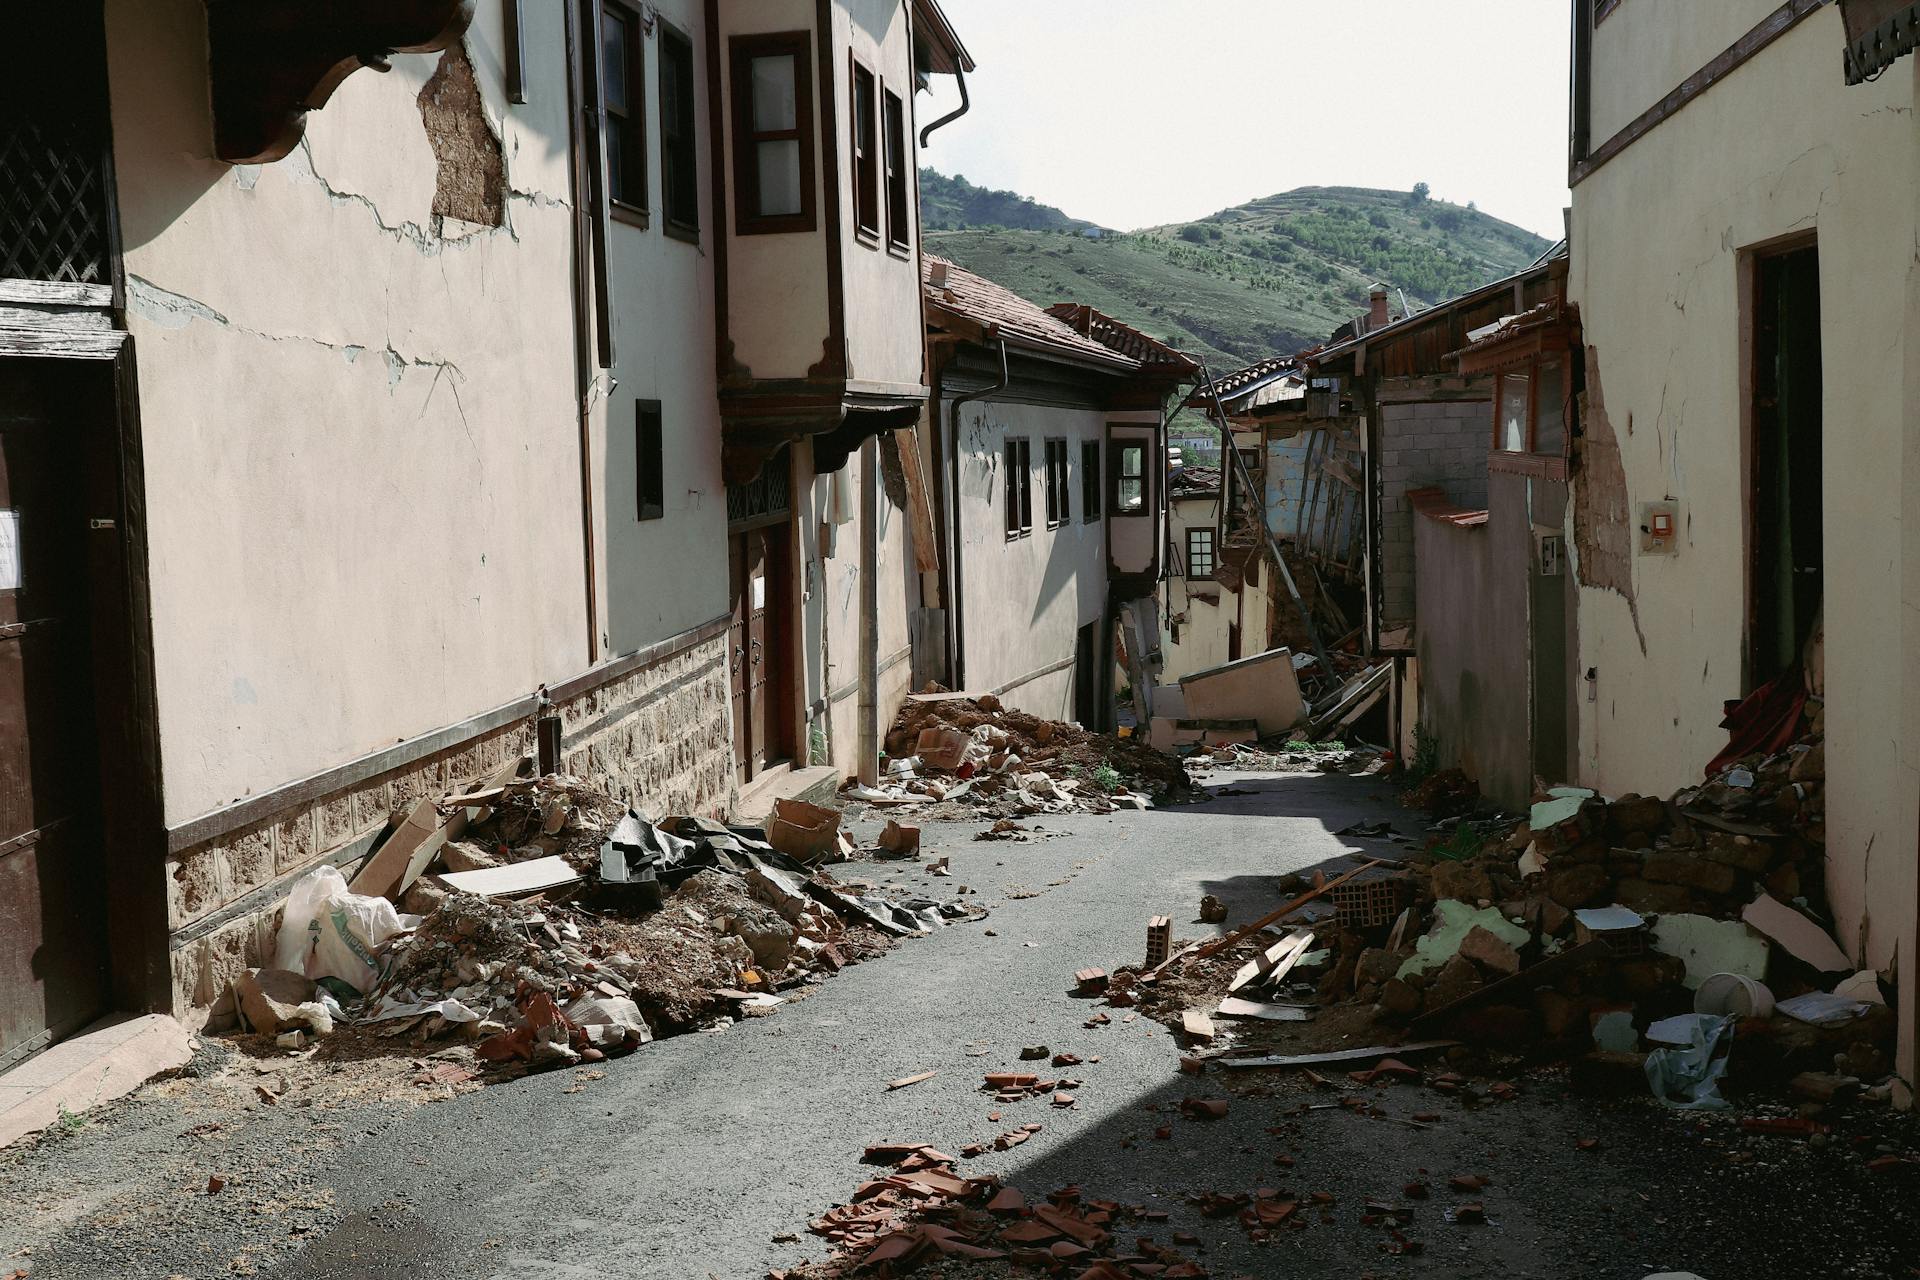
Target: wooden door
53,943
737,669
758,686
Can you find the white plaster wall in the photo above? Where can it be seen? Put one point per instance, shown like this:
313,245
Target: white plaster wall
361,449
882,288
1203,636
1747,163
1650,46
777,313
1024,599
660,577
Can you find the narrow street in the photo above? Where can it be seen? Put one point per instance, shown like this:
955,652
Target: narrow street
707,1155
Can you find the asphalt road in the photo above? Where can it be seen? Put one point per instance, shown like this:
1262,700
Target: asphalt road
694,1157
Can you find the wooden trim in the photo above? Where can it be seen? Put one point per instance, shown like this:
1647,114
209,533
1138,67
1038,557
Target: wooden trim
741,51
1745,49
668,33
513,17
636,155
833,360
68,344
245,813
860,152
56,293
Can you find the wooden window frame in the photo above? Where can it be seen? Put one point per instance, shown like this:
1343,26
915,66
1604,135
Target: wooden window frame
1059,498
1530,461
1018,487
1117,451
1091,487
741,52
896,165
649,461
863,152
672,223
633,156
1211,552
1603,9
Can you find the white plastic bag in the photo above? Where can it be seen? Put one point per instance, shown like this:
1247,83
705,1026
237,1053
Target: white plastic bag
327,932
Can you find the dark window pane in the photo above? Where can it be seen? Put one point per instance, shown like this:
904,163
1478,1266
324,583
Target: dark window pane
613,41
1550,414
1513,413
616,157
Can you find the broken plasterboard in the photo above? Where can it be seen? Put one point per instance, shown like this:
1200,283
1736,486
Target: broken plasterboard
1453,920
1801,937
513,880
1709,946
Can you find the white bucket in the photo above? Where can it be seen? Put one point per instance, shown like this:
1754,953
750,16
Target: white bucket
1735,994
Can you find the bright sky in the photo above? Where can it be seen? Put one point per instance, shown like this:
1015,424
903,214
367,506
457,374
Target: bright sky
1133,113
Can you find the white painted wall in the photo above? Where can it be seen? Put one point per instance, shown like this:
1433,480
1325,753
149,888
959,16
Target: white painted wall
660,577
1025,598
1780,147
1203,642
362,467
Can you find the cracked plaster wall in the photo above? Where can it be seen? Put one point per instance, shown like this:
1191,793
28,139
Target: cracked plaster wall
358,417
1658,245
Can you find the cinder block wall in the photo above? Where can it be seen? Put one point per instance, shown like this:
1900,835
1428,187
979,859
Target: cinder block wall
1443,444
658,738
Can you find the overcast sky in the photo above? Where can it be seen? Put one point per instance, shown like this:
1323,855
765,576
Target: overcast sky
1133,113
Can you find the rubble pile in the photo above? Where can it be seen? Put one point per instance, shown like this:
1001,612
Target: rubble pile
552,925
923,1212
1000,763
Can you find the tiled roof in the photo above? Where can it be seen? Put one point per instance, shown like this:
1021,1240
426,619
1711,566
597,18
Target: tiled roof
1240,379
1124,338
1011,316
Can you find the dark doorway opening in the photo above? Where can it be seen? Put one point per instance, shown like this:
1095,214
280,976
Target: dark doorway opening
758,649
1785,572
1086,676
55,418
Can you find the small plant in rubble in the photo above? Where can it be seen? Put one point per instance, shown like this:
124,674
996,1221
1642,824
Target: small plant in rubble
1106,777
1462,843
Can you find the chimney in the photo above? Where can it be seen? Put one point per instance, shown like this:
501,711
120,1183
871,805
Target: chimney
1379,317
937,274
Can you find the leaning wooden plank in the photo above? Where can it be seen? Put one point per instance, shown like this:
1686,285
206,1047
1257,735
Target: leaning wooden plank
383,872
1238,935
1275,961
1234,1007
1341,1055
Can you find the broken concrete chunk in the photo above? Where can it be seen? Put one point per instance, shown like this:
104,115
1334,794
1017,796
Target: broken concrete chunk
272,1001
1489,952
1463,881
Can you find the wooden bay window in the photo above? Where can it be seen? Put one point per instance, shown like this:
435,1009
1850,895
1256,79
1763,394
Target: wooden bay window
773,165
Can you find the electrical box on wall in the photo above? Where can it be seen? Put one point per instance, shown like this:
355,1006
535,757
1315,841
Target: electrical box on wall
1549,553
1660,528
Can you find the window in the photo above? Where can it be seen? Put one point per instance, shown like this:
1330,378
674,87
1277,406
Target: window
1199,553
622,84
1019,487
1130,480
1532,408
773,134
1090,480
679,149
866,154
899,165
649,462
1058,509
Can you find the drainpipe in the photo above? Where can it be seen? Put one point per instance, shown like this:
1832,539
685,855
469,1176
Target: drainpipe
966,105
583,299
869,611
956,615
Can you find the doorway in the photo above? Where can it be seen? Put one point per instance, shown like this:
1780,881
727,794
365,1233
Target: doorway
757,652
1786,570
53,874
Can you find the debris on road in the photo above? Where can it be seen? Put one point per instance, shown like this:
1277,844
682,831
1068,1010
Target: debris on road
958,756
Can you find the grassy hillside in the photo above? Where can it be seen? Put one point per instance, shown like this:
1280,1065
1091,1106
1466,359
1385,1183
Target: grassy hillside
953,204
1266,278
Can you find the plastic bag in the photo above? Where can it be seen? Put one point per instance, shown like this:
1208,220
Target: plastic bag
1690,1077
328,932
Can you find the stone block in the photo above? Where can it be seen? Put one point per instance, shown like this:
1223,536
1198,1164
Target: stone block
250,861
1580,885
335,818
1742,853
197,882
1653,899
1490,952
295,842
1694,873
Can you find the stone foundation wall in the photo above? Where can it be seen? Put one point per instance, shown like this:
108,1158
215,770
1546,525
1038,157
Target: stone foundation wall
659,738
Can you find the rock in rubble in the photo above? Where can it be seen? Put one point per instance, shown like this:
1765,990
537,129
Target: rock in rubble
1465,881
1456,980
1489,952
1578,886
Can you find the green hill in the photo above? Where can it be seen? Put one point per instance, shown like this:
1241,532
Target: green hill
1269,277
954,204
